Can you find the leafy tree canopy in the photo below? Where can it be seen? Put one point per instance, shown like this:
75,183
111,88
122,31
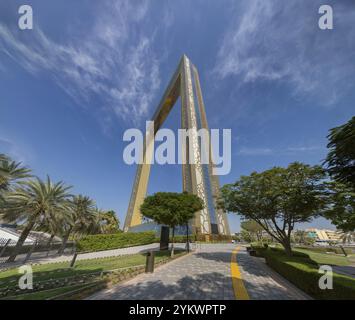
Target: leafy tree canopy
251,226
278,198
170,208
341,206
341,157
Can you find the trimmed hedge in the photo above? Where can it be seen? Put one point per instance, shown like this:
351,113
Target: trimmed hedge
200,238
303,272
99,242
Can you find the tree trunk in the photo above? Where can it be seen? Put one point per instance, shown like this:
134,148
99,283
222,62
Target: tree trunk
64,243
172,244
25,232
187,238
287,246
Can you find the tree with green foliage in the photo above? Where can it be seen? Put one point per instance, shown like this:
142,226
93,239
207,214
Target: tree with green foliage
340,164
171,209
278,198
254,228
302,237
32,202
83,219
11,174
341,157
246,236
340,207
108,221
299,236
53,222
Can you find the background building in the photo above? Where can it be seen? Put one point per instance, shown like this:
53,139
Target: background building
325,235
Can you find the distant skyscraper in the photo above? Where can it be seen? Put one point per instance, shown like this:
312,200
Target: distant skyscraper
197,177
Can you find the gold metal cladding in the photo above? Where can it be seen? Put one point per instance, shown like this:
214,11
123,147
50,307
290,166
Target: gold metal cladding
182,84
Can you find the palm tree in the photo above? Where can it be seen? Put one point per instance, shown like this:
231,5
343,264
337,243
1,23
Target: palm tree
84,219
3,157
11,172
53,223
108,221
32,202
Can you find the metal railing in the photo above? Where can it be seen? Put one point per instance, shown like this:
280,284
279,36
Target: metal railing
39,249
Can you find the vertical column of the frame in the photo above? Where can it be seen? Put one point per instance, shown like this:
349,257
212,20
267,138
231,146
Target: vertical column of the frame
144,175
202,218
223,225
129,215
186,172
186,168
141,181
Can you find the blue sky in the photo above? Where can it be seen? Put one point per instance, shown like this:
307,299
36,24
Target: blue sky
89,70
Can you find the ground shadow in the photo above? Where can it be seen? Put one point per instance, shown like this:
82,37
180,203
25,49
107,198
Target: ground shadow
187,288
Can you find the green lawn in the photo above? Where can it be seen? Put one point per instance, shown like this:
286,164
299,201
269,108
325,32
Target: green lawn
42,295
58,271
302,269
327,258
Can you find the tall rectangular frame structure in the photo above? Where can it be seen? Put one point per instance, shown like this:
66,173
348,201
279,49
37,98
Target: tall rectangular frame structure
198,178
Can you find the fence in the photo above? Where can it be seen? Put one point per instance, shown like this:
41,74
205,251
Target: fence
39,249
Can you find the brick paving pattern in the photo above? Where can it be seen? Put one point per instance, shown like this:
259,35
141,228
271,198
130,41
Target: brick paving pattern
262,283
205,275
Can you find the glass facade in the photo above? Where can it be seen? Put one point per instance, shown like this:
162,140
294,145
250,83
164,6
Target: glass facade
206,176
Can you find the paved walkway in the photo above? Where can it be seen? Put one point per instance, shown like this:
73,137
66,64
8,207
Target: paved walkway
345,270
262,283
205,274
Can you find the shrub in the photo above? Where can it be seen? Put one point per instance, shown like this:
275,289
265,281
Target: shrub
212,238
303,272
181,239
200,238
100,242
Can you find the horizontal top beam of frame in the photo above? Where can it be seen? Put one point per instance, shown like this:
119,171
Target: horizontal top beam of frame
171,94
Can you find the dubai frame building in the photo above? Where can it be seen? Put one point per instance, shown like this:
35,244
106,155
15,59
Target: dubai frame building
197,177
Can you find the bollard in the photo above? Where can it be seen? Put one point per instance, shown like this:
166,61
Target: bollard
149,266
164,238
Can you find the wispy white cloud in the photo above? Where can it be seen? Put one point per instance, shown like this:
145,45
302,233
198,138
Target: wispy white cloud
113,62
16,149
266,151
249,151
279,40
